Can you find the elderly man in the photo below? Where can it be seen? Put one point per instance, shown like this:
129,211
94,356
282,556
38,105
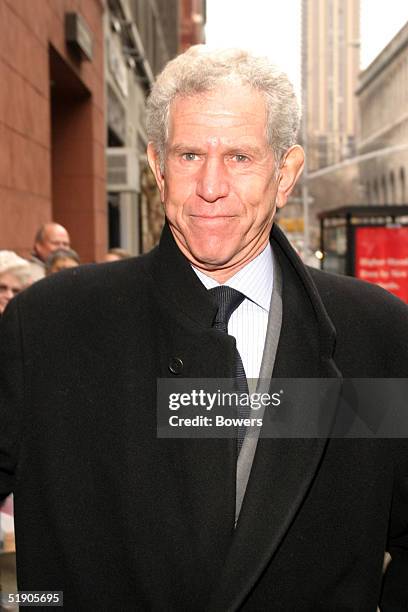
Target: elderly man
119,518
49,238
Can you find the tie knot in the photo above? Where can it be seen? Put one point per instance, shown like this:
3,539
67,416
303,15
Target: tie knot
227,300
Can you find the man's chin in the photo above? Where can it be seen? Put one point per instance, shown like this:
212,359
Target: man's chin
210,259
208,252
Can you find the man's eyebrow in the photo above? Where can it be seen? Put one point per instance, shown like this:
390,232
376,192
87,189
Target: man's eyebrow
181,147
244,147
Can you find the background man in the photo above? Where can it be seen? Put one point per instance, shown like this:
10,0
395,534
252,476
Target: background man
49,238
202,524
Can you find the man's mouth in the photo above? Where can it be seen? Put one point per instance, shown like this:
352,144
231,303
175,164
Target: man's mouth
212,217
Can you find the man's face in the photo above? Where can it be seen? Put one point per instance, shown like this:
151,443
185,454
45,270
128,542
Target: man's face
55,237
220,185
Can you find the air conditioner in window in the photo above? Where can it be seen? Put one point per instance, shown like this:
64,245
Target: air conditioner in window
123,173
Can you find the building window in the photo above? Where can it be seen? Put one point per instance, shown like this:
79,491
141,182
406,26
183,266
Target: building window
403,186
368,192
376,195
384,190
392,186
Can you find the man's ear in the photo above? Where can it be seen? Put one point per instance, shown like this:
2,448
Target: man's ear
154,163
290,170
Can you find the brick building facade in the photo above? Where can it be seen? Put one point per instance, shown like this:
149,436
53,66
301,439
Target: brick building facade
52,128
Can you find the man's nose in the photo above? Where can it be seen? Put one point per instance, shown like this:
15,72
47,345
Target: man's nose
212,182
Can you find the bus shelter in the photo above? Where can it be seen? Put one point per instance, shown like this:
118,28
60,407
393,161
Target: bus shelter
368,242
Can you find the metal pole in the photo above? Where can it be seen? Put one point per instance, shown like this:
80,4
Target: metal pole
306,230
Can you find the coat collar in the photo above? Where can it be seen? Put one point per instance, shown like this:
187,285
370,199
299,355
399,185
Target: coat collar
179,284
283,469
181,289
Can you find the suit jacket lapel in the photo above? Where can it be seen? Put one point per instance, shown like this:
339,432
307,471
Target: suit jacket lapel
283,469
205,468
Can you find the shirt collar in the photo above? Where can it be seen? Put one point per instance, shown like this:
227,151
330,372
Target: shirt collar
255,280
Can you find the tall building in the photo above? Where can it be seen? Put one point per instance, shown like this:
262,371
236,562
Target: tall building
52,137
140,37
330,67
383,103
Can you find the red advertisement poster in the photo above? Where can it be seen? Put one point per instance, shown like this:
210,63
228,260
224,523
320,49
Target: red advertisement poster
381,257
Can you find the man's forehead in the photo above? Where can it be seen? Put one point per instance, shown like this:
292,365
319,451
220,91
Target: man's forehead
55,231
222,99
225,114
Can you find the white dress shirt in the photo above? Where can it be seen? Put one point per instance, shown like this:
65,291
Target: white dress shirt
248,323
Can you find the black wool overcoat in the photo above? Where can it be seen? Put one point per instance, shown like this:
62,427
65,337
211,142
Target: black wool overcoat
119,519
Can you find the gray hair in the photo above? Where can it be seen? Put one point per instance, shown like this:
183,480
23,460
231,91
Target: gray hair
199,70
11,262
61,254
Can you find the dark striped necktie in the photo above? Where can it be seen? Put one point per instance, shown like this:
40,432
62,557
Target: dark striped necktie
228,300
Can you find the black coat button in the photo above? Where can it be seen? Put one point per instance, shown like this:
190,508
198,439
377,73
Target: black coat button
176,365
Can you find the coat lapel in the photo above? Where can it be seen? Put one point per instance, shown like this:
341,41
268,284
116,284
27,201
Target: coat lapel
283,469
204,468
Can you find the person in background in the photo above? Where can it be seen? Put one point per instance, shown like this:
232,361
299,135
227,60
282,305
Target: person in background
116,255
14,273
50,237
61,259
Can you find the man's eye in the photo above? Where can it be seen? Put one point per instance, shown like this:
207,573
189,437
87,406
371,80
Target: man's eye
239,157
190,156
